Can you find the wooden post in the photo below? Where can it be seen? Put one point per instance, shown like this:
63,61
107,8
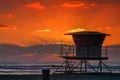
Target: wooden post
85,65
45,74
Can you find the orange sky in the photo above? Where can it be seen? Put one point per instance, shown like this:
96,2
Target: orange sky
30,22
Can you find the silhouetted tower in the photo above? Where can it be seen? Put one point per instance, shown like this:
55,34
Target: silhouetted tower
88,46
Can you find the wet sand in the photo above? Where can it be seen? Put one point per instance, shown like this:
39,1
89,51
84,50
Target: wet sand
63,77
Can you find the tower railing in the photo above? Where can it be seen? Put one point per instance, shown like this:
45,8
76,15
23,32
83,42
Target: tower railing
70,51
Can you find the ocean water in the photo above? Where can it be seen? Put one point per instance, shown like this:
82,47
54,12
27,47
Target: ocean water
22,69
32,69
33,72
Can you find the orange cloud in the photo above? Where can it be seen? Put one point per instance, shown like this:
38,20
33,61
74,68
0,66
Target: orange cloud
108,27
6,16
76,30
30,54
7,27
35,5
76,4
42,30
73,4
92,4
9,15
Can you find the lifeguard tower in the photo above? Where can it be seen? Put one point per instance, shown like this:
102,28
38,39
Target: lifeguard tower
88,47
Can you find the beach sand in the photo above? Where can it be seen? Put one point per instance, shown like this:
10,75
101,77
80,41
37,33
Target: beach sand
61,77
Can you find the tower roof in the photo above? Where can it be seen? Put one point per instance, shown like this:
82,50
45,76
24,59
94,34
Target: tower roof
88,33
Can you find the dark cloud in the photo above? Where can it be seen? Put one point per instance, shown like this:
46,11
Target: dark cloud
8,27
3,26
8,49
37,53
115,49
114,52
41,53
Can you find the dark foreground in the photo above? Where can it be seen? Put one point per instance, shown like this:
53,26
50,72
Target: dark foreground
63,77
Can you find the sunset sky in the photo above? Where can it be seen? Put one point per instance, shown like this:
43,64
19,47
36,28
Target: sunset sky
31,30
31,22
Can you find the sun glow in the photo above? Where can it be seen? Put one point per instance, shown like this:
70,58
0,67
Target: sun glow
37,22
